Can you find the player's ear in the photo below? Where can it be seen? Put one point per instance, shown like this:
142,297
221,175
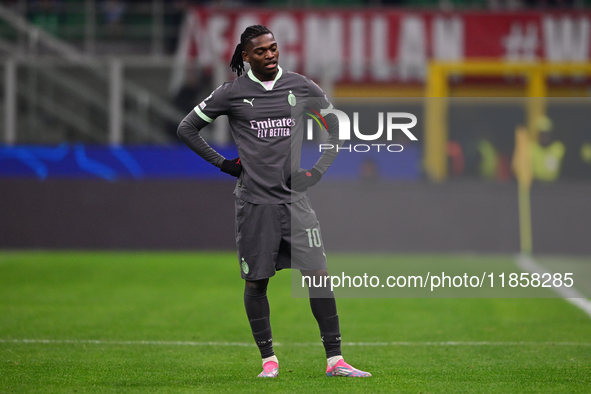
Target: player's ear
245,57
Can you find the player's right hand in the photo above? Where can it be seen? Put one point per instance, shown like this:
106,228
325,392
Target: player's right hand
302,179
232,167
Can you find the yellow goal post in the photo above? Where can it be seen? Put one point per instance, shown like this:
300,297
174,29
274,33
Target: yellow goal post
536,75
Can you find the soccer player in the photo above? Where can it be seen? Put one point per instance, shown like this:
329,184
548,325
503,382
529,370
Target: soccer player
276,227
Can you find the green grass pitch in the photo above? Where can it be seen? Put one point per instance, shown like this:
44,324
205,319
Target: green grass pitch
174,322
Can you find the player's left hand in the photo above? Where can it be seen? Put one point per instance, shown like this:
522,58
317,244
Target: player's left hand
232,167
302,179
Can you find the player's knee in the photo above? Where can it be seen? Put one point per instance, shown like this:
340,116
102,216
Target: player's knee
319,285
256,288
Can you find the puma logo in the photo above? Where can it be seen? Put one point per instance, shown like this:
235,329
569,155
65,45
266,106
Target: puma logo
249,102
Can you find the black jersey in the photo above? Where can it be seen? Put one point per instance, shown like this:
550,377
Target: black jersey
268,128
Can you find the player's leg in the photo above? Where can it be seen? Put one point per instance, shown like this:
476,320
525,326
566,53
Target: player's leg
258,238
258,313
324,309
308,255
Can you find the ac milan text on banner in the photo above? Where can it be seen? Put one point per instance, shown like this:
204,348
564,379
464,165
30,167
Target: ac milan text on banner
388,44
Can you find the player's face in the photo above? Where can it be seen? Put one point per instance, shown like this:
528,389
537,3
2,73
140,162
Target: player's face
262,54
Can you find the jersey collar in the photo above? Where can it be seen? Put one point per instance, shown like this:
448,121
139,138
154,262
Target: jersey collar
251,76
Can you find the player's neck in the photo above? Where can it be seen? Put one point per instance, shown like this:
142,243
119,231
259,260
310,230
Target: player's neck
265,77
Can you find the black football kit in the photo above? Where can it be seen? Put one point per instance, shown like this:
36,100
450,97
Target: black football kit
276,226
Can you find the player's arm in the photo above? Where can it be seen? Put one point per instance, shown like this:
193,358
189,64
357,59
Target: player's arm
328,155
303,179
189,132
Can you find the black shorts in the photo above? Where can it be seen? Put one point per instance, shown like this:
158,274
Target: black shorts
271,237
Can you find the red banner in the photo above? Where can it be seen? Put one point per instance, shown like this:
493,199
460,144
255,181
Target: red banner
379,45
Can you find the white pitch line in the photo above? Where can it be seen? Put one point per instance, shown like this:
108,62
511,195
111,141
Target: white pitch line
244,344
102,342
456,343
570,294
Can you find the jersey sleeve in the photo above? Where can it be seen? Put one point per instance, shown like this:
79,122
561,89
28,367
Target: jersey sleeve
214,105
188,132
318,101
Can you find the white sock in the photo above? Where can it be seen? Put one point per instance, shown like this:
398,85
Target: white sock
272,358
332,361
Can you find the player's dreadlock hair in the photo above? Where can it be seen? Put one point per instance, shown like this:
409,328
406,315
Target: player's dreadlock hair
251,32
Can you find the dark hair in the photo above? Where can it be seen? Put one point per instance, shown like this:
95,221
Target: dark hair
249,33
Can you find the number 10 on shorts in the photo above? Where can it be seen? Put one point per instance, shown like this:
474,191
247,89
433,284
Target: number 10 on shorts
314,237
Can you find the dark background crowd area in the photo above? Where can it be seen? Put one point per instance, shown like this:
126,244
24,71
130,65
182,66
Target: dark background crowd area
135,19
